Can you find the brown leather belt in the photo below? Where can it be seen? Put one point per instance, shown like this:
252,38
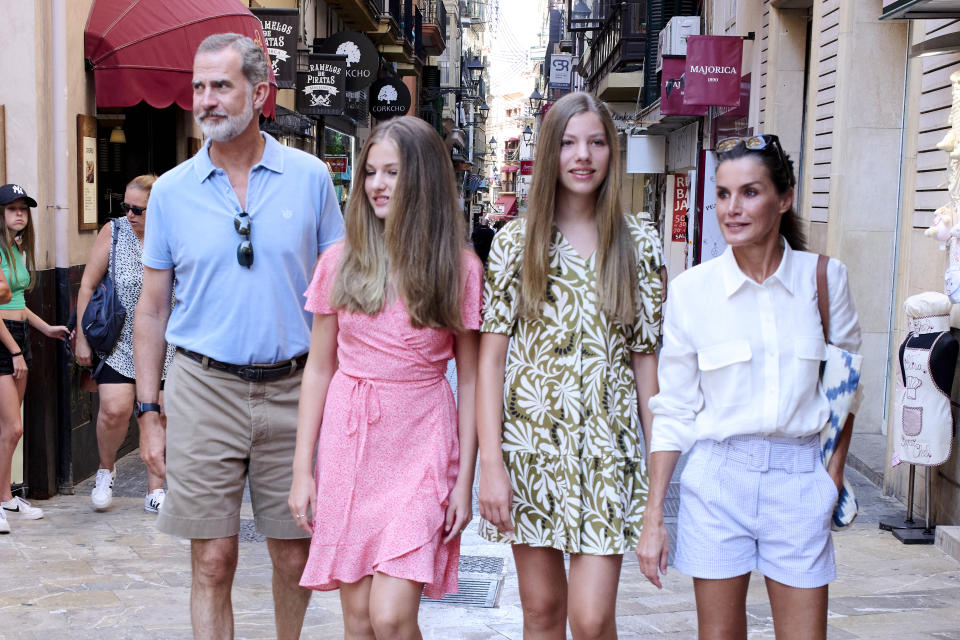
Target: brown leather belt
250,372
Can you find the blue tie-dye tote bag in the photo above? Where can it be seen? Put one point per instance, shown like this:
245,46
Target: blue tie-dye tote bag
840,381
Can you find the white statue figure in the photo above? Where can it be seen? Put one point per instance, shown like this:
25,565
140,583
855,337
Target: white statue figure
949,142
942,223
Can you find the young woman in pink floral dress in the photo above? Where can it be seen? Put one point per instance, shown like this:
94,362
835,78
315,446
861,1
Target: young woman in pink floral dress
393,303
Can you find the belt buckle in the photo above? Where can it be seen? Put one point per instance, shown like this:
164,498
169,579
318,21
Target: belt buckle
250,374
758,456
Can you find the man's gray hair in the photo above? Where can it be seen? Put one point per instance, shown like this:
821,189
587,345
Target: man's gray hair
253,59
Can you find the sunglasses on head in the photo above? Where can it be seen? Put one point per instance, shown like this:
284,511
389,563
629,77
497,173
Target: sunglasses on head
754,143
137,211
241,222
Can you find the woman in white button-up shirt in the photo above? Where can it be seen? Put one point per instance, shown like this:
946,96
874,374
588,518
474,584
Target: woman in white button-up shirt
738,373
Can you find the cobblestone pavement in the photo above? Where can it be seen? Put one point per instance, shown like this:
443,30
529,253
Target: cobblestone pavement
82,575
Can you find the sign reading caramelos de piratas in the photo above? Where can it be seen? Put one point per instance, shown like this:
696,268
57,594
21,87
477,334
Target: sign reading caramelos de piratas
320,89
713,68
280,36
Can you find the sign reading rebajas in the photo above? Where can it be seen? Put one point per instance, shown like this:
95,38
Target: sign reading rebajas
389,98
712,75
321,88
280,36
681,195
363,59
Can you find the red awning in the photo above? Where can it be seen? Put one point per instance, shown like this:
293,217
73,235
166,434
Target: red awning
142,50
509,204
510,168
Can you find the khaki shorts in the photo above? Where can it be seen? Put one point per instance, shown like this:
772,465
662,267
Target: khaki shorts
221,429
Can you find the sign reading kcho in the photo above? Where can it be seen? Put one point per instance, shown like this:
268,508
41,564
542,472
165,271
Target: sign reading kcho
280,35
320,89
363,59
712,75
389,98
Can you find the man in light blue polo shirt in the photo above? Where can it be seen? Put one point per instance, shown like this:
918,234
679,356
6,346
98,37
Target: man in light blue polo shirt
238,229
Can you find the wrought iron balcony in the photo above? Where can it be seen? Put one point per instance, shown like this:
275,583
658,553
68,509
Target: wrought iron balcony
473,13
434,27
619,45
399,32
359,15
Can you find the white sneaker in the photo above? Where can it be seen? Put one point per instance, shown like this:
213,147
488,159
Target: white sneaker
20,508
102,494
4,525
154,500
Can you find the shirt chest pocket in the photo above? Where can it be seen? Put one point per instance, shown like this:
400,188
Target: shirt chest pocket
725,375
809,352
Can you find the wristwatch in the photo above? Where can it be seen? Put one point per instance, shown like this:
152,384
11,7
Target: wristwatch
142,407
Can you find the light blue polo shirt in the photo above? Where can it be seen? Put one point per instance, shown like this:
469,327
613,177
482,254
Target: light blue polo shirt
223,310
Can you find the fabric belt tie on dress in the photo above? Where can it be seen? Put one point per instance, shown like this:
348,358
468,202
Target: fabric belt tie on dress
250,372
759,453
365,411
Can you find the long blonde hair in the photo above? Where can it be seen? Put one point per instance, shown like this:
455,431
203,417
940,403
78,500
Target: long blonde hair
616,253
419,247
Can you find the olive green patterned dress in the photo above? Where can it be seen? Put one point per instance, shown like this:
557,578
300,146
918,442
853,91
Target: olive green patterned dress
571,433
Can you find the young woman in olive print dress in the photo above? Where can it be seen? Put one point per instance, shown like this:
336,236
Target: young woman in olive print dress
567,366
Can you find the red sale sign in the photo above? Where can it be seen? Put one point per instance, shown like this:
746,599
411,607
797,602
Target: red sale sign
337,164
681,196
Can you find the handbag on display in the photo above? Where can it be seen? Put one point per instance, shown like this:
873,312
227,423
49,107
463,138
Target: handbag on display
103,318
840,381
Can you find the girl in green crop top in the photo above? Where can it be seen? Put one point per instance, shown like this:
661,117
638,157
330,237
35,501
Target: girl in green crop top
17,264
18,278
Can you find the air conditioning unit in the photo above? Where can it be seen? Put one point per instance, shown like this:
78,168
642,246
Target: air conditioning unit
672,40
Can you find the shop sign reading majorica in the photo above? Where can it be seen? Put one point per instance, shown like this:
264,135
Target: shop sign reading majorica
320,89
280,35
363,59
713,68
389,98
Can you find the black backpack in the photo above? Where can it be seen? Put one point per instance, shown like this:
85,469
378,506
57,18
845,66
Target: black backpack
103,318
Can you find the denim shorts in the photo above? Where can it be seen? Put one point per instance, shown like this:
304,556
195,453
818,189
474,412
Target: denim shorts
20,331
757,502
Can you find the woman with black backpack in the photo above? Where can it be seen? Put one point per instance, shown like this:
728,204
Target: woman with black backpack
117,250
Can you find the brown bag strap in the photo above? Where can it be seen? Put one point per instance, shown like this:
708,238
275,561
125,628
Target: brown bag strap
823,296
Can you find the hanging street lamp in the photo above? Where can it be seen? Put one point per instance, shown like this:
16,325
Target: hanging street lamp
536,102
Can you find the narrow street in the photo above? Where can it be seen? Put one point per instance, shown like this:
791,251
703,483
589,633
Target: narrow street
86,575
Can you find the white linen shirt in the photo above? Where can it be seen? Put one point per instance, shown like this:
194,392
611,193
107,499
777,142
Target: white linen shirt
744,358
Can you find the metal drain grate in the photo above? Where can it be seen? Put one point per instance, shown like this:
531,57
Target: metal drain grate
481,564
481,580
473,593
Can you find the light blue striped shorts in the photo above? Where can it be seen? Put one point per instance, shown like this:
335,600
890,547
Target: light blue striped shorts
757,502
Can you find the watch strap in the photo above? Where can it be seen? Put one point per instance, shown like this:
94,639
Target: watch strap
143,407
